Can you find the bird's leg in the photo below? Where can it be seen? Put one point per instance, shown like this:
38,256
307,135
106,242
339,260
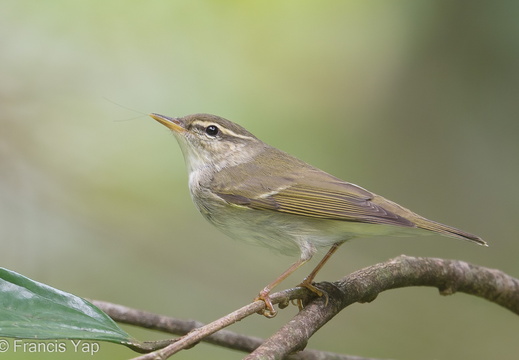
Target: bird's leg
307,281
264,294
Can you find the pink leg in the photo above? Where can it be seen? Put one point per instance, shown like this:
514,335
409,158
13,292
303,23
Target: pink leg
264,294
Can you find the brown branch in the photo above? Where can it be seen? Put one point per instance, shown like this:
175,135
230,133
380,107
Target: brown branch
222,338
148,320
449,276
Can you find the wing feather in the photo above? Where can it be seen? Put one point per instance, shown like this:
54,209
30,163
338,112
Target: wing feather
303,190
307,191
321,203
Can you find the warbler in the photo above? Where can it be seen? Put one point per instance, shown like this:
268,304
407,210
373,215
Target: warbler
254,192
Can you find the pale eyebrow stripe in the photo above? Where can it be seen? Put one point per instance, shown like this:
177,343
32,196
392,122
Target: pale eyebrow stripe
222,128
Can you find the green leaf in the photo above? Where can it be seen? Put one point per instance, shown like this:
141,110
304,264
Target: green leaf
29,309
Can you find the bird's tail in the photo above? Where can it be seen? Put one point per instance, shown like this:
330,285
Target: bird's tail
430,225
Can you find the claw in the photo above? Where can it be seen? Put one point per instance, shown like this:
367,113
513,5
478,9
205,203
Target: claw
269,310
307,284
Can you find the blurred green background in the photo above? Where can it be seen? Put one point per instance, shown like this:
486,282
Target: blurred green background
414,100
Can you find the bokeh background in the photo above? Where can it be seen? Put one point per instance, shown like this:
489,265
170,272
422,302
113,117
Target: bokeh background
415,100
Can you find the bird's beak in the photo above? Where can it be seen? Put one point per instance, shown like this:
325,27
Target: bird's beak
174,124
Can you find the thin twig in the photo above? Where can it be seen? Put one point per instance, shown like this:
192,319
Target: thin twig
200,333
224,338
167,324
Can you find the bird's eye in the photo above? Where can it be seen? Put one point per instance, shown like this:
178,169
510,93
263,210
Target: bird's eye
211,130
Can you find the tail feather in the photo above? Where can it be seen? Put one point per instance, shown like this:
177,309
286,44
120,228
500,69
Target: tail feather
448,231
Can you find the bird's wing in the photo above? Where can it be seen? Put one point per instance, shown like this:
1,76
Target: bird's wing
320,203
303,190
307,191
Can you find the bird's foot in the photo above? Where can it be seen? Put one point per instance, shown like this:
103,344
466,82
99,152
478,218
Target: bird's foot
269,310
307,283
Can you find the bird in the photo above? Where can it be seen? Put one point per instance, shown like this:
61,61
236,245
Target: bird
256,193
